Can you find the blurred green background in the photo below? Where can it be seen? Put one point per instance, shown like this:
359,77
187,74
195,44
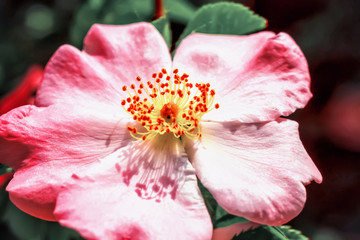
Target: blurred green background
326,30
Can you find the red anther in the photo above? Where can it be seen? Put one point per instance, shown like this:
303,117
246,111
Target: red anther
134,130
144,137
187,118
162,85
154,75
141,85
158,80
179,91
167,90
151,86
139,91
123,102
176,82
128,100
135,117
176,76
176,70
184,115
163,70
167,130
145,99
124,88
148,83
212,92
132,86
129,128
188,92
162,93
172,92
168,78
160,74
156,128
138,78
192,129
166,84
143,124
217,106
208,84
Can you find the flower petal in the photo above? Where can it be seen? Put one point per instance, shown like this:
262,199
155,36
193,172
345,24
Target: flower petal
256,78
150,191
46,145
256,171
112,56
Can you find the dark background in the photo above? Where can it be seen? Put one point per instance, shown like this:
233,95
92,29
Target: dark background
327,31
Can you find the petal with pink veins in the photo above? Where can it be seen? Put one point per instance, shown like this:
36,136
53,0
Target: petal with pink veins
256,78
143,191
257,171
112,56
46,145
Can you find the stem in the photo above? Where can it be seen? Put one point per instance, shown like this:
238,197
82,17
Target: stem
159,10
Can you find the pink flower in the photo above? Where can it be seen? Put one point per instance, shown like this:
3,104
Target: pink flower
24,93
96,156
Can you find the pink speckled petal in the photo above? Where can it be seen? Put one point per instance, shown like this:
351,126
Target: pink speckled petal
112,56
256,78
257,171
143,191
46,145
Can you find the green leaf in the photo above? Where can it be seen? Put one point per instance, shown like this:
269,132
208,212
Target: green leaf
113,12
4,169
261,233
219,217
271,233
26,227
163,26
292,234
180,11
224,18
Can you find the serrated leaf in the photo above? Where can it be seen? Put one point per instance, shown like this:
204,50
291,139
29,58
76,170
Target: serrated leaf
180,11
271,233
292,234
163,26
219,217
224,18
261,233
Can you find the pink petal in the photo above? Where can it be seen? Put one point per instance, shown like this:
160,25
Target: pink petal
256,78
46,145
112,56
256,171
143,191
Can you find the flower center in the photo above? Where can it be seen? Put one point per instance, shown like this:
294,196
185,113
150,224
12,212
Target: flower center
167,105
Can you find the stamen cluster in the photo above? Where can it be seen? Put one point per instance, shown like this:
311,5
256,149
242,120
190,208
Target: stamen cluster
166,104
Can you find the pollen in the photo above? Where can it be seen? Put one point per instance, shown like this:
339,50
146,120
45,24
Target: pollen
167,104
